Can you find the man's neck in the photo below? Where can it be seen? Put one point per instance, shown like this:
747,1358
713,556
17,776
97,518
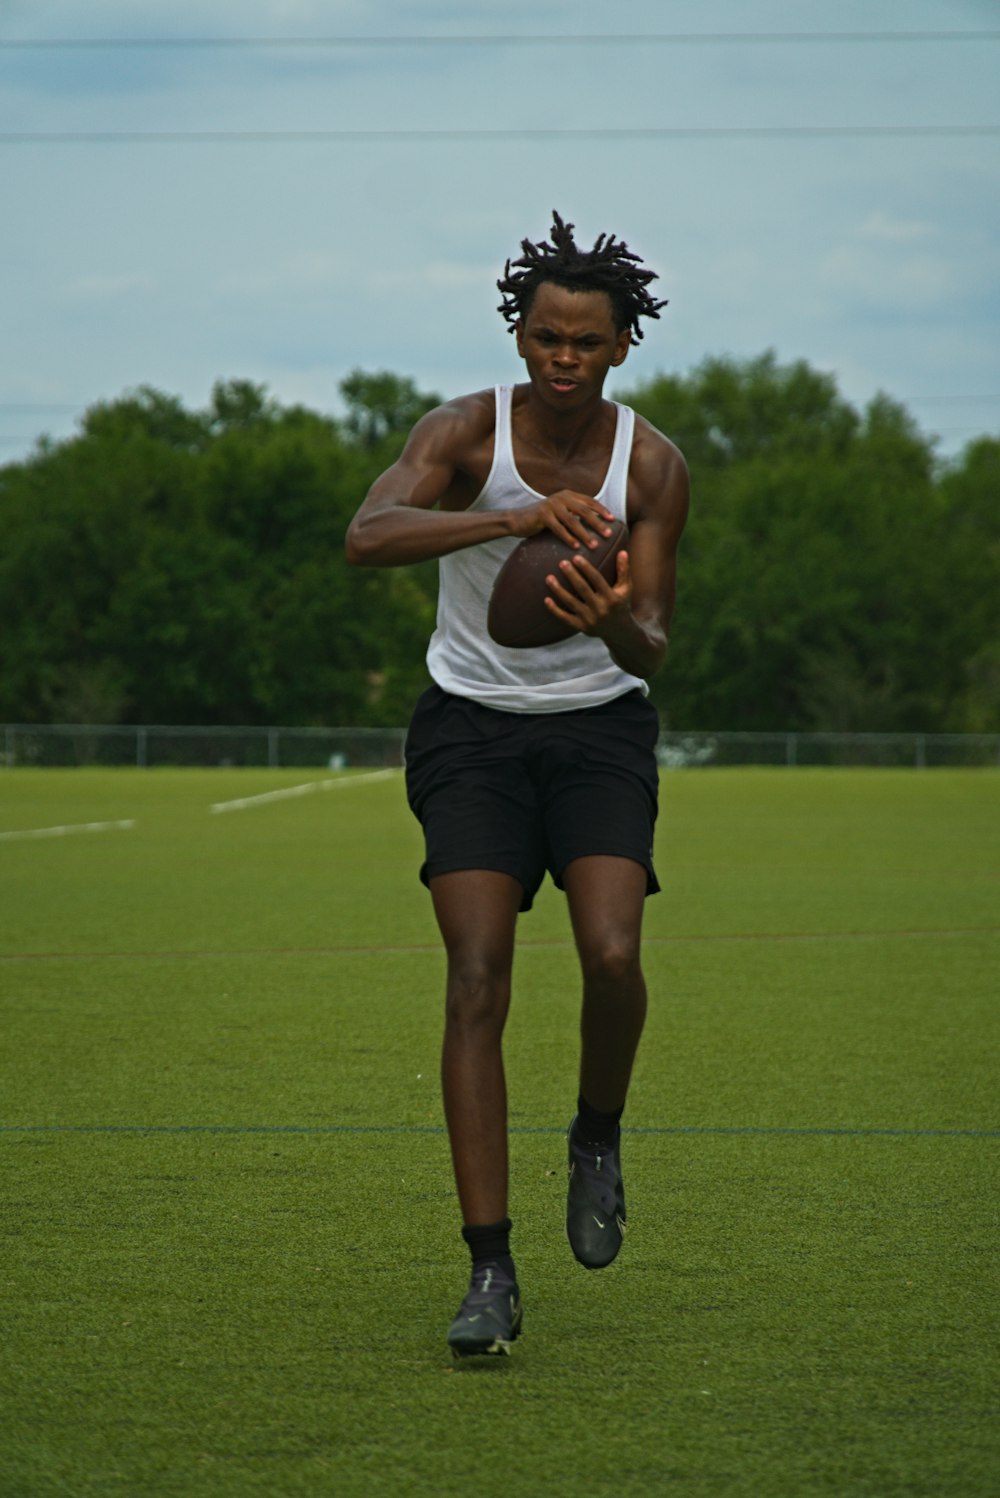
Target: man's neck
560,434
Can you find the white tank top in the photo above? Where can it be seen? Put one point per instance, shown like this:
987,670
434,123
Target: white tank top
461,657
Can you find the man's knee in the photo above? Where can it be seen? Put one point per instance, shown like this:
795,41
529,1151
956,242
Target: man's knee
478,990
612,963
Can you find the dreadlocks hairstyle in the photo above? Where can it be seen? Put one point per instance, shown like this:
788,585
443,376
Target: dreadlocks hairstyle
610,266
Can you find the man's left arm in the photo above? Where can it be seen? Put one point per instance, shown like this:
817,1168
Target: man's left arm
632,615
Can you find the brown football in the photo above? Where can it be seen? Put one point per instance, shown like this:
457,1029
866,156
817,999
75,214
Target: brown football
517,614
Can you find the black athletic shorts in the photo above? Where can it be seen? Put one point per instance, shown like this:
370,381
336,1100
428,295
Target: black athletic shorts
520,793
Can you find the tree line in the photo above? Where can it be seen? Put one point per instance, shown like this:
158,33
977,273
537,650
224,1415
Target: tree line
175,566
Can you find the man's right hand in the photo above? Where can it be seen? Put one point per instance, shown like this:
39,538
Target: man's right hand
572,517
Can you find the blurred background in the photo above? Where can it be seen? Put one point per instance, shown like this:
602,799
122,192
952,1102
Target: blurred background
245,245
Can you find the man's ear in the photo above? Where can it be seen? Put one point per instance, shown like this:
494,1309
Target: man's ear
622,345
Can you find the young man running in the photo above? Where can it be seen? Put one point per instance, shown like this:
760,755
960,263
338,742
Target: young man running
517,760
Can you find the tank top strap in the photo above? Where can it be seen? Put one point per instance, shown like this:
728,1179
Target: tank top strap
615,486
503,440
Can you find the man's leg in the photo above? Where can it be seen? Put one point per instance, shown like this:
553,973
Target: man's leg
606,898
477,912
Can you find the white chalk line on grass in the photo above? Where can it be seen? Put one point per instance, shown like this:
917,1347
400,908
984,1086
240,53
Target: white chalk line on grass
306,789
125,825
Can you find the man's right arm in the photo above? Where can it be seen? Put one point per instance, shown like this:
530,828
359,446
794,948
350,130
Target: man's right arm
398,522
418,509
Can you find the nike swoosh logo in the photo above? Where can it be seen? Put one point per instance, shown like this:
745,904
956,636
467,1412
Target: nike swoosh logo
600,1224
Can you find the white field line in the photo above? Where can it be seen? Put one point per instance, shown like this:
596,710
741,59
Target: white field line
123,826
306,789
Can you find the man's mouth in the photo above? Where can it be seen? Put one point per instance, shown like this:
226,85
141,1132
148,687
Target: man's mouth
559,382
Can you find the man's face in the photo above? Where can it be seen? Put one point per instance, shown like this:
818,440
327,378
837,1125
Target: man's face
569,342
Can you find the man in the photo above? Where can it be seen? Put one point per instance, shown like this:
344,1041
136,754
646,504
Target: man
518,760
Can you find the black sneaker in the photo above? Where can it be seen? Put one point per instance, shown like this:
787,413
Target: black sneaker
489,1318
595,1205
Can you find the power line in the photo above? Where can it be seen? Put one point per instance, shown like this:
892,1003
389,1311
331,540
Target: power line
328,137
519,39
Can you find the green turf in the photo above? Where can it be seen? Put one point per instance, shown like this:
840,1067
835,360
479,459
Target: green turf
230,1245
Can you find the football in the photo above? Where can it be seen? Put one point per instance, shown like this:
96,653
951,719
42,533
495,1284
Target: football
517,615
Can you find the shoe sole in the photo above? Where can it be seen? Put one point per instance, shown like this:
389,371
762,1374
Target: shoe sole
498,1348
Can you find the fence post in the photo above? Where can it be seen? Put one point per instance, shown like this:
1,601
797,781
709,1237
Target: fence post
140,748
272,748
791,750
920,747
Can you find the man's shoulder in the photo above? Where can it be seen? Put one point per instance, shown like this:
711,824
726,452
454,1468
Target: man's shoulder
654,452
477,408
461,420
473,399
659,484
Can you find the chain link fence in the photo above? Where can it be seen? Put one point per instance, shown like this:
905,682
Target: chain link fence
73,744
917,750
76,744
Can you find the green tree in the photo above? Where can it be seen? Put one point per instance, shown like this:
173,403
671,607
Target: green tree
74,520
176,567
811,595
382,405
969,562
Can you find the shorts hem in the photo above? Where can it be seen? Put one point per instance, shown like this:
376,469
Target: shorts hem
653,886
468,866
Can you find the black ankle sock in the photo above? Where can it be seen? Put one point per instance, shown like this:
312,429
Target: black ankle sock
490,1241
595,1126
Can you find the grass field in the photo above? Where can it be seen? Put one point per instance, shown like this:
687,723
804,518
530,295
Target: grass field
230,1249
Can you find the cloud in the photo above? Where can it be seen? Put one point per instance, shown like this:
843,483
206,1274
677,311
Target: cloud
888,283
306,270
888,261
884,227
107,286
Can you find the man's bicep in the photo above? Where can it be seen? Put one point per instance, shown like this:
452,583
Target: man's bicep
417,479
422,472
654,541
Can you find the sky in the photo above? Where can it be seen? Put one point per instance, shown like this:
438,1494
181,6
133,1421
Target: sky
285,191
